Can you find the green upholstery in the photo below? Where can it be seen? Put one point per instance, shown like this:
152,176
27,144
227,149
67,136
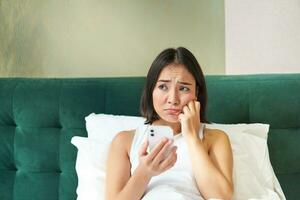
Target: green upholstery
38,117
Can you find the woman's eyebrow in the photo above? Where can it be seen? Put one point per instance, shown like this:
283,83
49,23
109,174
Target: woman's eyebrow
167,81
184,83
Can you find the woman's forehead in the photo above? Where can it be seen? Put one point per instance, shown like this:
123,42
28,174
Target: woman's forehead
176,72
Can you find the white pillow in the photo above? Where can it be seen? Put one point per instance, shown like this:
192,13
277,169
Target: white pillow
104,127
92,151
90,168
257,129
253,175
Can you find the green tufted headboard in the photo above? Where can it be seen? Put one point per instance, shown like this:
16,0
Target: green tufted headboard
38,117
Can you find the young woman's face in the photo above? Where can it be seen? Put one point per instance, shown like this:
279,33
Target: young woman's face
175,87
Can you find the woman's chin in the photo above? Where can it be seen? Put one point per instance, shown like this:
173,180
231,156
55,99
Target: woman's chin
171,118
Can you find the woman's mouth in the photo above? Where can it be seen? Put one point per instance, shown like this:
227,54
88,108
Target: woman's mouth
172,111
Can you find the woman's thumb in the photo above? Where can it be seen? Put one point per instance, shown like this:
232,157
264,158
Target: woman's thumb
143,150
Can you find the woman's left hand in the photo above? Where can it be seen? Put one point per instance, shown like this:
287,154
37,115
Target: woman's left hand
190,119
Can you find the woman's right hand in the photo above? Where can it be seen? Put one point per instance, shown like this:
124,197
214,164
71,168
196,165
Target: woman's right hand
160,159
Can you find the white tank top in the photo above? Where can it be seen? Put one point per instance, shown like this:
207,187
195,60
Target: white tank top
177,183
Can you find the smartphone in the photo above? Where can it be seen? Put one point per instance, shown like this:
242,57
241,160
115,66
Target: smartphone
156,133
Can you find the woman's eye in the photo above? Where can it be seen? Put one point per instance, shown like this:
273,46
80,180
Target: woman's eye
163,87
184,89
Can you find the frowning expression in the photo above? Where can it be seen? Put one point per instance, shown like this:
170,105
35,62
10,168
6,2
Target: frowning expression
175,87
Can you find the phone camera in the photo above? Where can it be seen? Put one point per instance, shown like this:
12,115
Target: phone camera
152,132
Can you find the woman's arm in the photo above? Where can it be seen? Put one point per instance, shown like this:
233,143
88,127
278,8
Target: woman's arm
213,170
118,172
120,184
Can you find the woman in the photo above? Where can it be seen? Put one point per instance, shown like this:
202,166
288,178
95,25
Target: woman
199,165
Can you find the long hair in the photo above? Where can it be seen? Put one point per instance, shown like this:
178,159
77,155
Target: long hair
168,56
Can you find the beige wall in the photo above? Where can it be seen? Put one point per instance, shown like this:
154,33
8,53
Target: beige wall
62,38
262,36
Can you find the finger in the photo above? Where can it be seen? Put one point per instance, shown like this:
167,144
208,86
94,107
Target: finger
171,164
198,105
192,106
162,154
185,110
180,116
157,148
143,150
169,161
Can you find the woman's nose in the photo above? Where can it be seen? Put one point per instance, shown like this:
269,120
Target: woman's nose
173,98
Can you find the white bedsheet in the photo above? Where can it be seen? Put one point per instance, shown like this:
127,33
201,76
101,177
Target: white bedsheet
167,192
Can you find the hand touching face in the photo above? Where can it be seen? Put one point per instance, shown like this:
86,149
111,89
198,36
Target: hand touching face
190,119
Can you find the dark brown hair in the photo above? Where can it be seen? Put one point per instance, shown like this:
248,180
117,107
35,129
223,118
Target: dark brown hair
179,56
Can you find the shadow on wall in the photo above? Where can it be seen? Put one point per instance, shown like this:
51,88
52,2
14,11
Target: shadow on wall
21,36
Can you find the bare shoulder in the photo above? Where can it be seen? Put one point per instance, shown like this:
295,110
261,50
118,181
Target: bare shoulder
118,163
123,139
215,136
